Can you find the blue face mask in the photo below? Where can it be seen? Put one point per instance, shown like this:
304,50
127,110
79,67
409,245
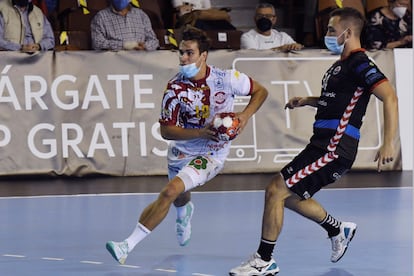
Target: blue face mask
331,42
119,5
189,70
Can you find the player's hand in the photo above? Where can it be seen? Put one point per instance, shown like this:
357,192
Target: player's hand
207,133
384,155
295,102
243,120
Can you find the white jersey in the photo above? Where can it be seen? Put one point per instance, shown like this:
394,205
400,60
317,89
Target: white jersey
191,104
253,40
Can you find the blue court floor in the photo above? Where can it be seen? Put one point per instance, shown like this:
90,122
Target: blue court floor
66,235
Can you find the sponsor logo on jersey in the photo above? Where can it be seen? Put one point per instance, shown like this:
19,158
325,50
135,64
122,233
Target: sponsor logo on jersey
336,70
219,97
219,84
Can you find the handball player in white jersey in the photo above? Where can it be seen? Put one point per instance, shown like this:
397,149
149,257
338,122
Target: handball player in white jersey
195,155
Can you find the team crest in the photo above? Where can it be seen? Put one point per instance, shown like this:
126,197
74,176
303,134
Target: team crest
219,97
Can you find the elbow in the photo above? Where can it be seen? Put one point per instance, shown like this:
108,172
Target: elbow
165,133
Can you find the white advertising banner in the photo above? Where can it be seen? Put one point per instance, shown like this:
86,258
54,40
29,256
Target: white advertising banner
85,112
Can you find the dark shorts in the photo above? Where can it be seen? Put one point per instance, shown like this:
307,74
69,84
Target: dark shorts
314,181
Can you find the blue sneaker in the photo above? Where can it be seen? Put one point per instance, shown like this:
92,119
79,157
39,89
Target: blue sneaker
183,226
255,266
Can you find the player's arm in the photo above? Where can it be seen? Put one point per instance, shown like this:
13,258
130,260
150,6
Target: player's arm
172,132
302,101
169,117
257,97
385,92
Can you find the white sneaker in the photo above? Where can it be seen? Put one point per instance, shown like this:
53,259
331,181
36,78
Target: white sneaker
341,241
183,226
118,250
255,266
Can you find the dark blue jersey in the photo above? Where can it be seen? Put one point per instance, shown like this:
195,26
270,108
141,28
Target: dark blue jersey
339,84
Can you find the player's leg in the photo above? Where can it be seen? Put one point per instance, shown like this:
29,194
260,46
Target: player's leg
272,221
308,208
340,233
152,215
262,263
195,173
185,210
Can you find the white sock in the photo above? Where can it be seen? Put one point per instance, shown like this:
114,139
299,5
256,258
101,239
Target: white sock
182,211
139,233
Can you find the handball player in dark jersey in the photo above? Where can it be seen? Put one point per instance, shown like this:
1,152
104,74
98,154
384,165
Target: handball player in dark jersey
346,89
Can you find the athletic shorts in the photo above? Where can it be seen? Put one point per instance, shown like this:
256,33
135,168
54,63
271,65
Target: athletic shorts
313,180
195,171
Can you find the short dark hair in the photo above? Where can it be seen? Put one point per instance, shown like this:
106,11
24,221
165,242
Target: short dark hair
265,5
195,34
350,15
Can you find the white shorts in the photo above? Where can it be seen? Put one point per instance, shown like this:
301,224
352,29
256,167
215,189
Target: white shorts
195,171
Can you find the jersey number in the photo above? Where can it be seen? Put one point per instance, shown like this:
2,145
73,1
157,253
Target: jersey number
204,112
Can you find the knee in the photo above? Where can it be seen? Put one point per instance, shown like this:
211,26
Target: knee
276,190
169,193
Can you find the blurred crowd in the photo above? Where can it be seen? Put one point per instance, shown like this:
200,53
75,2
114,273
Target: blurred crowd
40,25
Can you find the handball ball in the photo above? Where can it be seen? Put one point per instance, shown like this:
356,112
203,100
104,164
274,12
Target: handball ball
226,126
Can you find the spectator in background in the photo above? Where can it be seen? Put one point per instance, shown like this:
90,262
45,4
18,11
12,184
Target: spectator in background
24,27
390,27
200,14
264,37
122,27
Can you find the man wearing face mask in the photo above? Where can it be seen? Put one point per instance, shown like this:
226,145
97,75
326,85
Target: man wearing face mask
346,90
23,27
264,37
195,155
122,27
390,27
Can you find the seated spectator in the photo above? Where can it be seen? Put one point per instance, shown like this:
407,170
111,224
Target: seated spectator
122,27
264,37
200,14
24,27
389,27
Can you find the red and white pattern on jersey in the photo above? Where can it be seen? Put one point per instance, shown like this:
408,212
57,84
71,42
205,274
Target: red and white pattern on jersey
333,143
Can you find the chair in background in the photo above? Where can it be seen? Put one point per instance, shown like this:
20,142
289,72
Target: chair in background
371,5
75,21
152,9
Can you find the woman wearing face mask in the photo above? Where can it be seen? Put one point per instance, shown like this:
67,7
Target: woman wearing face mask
264,37
389,27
